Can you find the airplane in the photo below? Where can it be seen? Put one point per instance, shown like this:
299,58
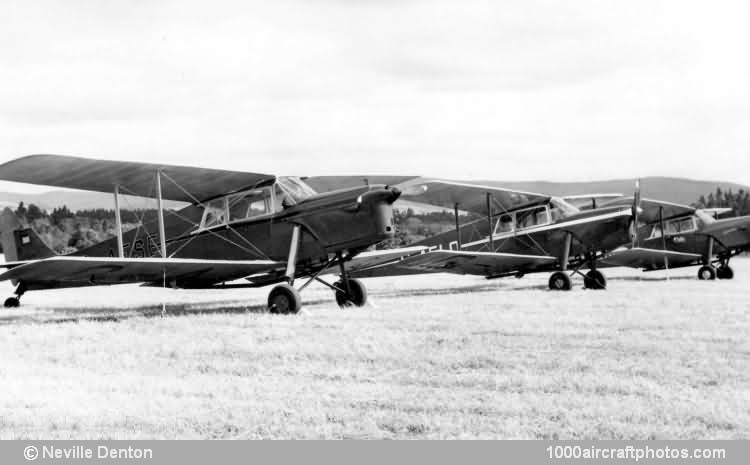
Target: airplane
260,227
671,235
521,232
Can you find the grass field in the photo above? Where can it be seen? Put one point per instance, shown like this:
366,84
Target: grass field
433,357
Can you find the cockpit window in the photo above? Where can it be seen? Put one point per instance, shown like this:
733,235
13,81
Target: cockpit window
676,226
504,223
249,204
561,208
536,216
215,213
255,202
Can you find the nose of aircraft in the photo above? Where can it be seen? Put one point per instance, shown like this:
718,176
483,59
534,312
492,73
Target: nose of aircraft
395,194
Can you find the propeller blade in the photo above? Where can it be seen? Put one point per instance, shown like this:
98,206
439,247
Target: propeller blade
635,210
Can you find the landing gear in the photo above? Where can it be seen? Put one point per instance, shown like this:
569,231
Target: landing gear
707,273
350,292
284,299
559,281
724,272
594,279
15,302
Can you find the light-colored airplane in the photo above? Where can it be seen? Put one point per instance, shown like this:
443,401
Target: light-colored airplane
521,233
260,227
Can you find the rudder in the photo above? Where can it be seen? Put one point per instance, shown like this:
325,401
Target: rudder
19,243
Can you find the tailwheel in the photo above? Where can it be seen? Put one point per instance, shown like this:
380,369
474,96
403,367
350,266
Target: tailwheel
559,281
707,272
724,272
284,299
594,279
352,293
12,302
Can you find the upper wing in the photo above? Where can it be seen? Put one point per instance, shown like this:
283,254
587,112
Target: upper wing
182,183
650,209
459,262
649,258
468,197
80,271
716,212
588,201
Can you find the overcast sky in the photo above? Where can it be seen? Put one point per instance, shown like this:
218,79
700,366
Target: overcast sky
506,90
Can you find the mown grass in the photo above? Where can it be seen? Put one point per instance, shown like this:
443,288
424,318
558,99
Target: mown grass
434,357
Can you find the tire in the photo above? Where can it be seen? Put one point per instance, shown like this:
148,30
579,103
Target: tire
284,299
707,273
594,279
724,272
559,281
357,296
12,302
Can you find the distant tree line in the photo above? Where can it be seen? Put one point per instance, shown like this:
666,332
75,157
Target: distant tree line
738,201
65,231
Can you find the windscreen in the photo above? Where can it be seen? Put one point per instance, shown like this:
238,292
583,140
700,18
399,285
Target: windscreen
295,188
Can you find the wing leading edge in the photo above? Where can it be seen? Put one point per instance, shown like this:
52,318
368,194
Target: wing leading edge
182,183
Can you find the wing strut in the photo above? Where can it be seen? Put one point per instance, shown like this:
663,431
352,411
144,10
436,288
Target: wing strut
566,251
489,221
160,215
292,259
118,221
458,229
663,238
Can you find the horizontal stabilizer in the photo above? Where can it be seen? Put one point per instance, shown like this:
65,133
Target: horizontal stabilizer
72,271
651,259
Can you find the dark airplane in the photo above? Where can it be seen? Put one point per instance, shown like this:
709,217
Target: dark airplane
673,236
237,225
520,233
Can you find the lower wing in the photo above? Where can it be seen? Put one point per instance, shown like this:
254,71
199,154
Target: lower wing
652,259
73,271
487,264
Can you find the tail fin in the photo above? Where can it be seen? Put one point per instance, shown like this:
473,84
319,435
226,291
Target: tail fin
20,243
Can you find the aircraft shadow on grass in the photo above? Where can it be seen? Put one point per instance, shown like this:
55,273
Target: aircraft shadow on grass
113,314
652,278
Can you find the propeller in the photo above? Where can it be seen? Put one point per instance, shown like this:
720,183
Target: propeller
414,190
635,210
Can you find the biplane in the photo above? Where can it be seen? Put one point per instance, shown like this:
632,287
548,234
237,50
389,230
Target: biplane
514,233
259,229
671,235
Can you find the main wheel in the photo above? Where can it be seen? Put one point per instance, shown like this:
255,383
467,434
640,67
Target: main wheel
594,279
559,281
284,299
356,296
707,272
12,302
725,272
